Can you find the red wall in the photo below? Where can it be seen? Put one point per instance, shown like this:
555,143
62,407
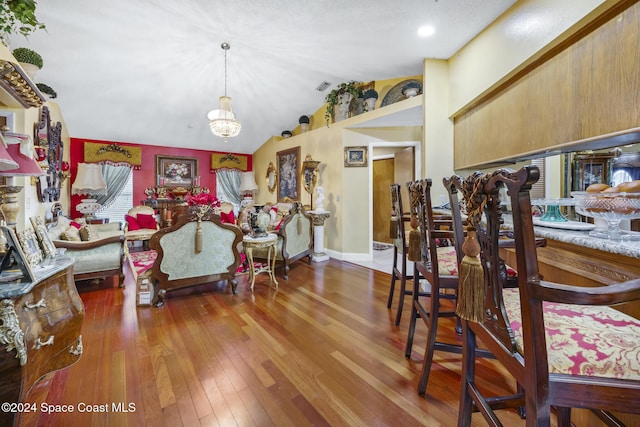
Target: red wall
146,175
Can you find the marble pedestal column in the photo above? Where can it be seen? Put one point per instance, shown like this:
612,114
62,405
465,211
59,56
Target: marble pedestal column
318,217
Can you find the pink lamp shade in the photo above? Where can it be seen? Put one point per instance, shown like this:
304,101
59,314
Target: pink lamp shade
6,161
27,166
89,180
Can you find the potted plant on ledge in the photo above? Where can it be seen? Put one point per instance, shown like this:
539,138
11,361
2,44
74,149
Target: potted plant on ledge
29,60
341,97
47,90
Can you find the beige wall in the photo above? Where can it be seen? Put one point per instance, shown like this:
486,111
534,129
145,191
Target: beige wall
507,44
347,190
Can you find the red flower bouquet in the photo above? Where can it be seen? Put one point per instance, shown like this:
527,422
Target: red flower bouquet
203,199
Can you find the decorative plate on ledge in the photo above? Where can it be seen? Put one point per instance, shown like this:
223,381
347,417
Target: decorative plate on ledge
395,93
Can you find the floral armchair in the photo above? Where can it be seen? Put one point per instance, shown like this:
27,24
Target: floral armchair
294,237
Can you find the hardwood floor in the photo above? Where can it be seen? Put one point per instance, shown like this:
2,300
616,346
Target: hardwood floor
322,350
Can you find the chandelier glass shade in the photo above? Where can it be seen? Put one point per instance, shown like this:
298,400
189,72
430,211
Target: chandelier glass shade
222,121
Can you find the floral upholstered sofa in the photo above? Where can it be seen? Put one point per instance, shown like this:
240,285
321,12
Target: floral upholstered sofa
98,249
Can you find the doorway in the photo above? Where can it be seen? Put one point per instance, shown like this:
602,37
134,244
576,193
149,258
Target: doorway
391,162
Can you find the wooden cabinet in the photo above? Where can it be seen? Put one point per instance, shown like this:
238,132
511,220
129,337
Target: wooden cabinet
41,333
167,209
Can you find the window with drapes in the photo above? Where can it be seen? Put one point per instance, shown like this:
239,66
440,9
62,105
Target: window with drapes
228,185
119,198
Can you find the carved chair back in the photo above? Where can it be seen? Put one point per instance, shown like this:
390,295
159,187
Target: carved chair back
538,329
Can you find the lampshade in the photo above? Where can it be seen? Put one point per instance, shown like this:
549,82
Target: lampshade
25,166
248,181
6,161
89,180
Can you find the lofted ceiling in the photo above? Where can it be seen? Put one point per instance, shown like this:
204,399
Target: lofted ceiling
147,72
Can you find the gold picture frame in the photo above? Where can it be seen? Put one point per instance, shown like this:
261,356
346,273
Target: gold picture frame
355,156
271,177
47,246
288,178
176,171
30,247
309,174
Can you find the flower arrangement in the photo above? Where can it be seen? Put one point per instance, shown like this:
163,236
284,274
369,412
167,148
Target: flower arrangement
177,169
203,199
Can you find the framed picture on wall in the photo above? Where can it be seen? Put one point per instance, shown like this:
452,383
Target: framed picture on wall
288,174
174,171
355,156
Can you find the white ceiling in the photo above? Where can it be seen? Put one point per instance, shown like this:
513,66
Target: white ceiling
148,71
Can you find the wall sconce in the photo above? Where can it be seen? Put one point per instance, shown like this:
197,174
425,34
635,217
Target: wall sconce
309,175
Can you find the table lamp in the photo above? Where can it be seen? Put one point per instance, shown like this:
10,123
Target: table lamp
14,163
89,182
247,187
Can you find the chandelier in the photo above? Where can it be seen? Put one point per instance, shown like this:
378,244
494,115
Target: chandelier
222,121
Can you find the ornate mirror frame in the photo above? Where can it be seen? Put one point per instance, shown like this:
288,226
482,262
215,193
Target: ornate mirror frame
271,177
309,174
49,137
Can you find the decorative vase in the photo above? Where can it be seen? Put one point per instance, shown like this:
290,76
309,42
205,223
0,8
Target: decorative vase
370,104
343,106
304,123
30,69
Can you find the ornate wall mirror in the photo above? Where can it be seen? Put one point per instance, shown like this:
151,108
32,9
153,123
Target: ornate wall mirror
272,177
49,138
309,174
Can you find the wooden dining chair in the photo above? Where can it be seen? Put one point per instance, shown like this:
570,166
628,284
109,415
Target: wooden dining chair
564,345
439,267
400,271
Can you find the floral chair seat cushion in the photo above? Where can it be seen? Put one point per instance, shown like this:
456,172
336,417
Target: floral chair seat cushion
584,340
448,263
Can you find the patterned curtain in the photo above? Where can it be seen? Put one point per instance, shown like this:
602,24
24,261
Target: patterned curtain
228,182
116,177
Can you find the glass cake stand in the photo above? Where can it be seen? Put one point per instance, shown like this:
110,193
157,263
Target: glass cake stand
552,212
612,207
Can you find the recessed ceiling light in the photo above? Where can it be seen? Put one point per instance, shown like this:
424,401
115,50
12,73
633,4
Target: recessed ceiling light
426,31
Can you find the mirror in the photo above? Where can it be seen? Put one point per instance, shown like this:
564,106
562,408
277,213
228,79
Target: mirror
309,174
272,177
49,138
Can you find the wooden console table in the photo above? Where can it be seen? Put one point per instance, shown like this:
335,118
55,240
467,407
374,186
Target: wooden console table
40,325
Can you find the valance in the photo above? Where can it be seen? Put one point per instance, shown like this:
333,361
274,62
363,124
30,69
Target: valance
228,161
113,154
